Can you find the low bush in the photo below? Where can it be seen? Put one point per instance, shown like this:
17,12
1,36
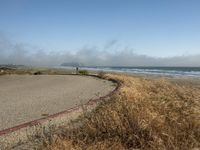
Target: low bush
37,73
83,72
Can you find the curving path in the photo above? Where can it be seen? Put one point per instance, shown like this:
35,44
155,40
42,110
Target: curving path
24,97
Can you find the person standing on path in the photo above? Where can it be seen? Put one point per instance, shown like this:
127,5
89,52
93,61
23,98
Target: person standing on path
76,70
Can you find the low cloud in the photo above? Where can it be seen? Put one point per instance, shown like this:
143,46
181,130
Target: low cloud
23,54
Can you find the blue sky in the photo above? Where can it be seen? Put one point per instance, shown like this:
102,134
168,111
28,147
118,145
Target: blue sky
158,28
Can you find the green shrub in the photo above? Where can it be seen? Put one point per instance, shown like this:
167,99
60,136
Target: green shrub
37,73
83,72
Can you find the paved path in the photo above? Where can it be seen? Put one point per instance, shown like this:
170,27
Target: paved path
24,97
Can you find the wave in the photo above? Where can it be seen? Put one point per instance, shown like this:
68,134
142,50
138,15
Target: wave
166,71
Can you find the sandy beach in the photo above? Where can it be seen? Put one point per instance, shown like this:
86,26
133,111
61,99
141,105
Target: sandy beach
27,97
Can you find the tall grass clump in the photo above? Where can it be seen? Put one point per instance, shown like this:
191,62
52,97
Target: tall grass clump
143,114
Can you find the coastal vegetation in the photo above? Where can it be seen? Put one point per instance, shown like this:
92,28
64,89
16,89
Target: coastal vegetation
34,71
83,72
142,114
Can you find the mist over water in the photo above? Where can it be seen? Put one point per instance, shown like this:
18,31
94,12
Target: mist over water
25,54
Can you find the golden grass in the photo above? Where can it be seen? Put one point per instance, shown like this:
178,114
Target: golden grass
142,114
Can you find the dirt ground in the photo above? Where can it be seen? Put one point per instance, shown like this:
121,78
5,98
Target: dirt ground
27,97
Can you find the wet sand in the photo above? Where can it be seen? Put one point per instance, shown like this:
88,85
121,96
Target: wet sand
24,98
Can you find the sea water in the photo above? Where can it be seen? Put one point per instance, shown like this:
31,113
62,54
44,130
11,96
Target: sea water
167,71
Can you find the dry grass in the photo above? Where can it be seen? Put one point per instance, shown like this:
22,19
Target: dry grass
143,114
35,71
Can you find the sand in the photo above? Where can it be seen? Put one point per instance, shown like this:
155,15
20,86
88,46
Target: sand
24,98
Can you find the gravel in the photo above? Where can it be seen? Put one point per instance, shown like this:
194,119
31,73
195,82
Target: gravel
24,98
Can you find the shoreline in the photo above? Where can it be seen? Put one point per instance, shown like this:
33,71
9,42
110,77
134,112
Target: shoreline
152,71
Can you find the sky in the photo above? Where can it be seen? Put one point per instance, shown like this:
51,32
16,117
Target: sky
100,32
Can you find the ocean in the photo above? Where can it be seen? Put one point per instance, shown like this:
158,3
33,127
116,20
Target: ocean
164,71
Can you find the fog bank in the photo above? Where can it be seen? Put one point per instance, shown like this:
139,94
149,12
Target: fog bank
24,54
